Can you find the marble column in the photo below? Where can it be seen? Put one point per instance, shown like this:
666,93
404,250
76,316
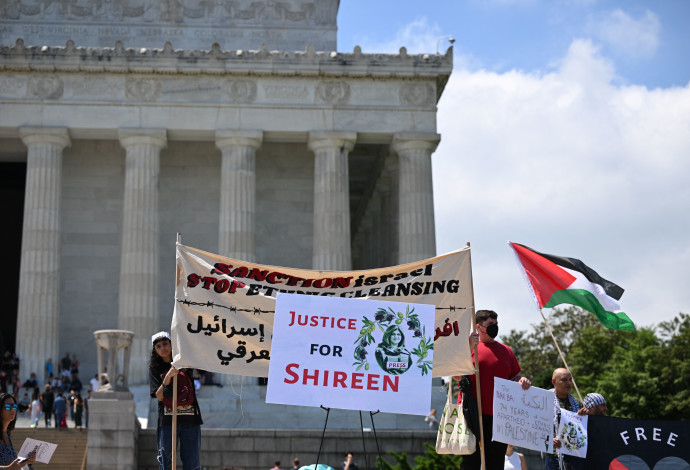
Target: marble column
38,315
417,235
139,263
332,242
236,234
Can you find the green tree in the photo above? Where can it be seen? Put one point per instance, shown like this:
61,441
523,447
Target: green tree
643,374
429,461
630,382
536,351
674,372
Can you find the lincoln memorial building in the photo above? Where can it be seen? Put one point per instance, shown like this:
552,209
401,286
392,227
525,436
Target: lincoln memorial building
237,124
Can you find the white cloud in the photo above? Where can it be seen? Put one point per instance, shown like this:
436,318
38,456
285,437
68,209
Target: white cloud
572,164
632,37
417,37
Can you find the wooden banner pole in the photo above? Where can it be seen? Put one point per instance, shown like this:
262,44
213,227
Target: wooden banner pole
476,374
174,424
561,354
174,401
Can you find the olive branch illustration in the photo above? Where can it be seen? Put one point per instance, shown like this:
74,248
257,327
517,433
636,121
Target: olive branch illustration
383,318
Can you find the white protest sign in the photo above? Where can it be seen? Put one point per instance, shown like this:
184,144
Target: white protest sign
523,418
44,450
572,432
351,353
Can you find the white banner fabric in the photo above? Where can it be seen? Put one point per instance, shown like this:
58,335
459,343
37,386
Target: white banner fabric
523,418
349,354
224,308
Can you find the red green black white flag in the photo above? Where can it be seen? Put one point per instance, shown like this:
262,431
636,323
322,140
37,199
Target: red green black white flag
555,280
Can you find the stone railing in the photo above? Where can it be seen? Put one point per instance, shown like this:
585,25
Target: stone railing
215,61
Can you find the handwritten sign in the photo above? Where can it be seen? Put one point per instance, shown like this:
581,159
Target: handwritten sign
44,450
572,432
523,418
352,354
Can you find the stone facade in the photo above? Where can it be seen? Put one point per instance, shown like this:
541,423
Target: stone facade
303,157
189,24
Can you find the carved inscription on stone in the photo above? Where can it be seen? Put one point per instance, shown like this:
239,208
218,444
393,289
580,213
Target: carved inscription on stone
240,91
142,89
171,11
333,92
47,87
191,89
416,94
286,92
189,24
96,87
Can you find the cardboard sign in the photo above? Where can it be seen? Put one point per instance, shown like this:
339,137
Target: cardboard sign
523,418
352,354
572,432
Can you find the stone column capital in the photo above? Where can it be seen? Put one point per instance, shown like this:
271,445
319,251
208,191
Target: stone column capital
415,141
331,139
58,136
238,138
142,136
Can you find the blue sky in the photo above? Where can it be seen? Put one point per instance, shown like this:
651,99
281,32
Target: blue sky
566,127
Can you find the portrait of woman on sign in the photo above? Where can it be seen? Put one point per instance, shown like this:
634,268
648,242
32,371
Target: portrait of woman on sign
391,354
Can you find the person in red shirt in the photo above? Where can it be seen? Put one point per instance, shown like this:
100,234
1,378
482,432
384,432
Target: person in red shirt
495,360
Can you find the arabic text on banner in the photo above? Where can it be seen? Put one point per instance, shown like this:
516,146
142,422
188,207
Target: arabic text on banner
352,354
224,308
523,418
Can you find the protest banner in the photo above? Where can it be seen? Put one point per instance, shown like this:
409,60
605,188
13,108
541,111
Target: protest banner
572,432
351,354
621,443
523,418
224,308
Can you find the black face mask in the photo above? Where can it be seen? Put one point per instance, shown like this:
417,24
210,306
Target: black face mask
492,330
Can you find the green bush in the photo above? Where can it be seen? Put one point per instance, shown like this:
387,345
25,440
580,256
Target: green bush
429,461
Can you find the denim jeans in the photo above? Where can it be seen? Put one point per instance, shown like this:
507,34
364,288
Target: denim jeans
58,419
551,462
189,438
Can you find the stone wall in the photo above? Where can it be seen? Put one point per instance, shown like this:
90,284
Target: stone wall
244,449
287,25
258,449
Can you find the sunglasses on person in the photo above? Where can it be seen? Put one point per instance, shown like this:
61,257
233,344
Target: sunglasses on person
9,407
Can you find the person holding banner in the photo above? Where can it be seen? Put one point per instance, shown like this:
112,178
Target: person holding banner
161,373
495,360
562,381
594,405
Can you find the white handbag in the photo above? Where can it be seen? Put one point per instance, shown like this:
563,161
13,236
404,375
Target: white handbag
454,436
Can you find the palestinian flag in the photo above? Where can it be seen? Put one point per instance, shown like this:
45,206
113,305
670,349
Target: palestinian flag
556,280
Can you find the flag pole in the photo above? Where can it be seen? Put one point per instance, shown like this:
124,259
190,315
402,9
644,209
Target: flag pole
476,372
561,354
174,401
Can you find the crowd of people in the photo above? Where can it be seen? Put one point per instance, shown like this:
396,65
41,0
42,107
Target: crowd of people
61,397
498,360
